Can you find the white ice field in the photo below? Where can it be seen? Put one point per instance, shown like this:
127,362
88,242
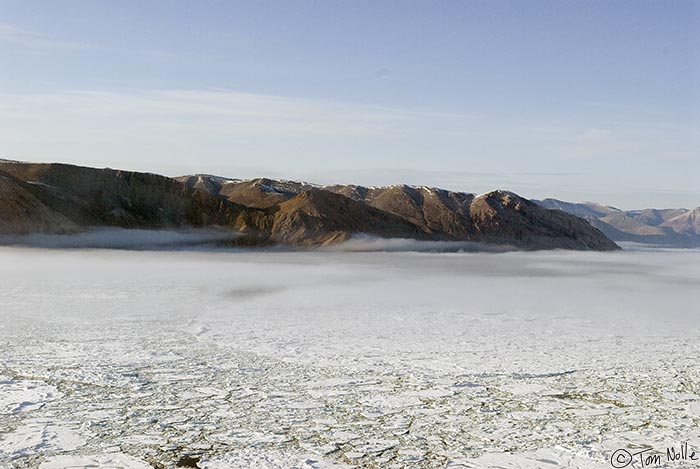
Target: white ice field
134,359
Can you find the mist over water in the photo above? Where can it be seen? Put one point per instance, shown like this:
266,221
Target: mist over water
366,243
120,238
638,283
210,238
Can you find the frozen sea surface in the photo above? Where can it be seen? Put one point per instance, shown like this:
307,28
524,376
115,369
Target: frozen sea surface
127,359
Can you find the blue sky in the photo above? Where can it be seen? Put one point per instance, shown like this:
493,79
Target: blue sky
590,100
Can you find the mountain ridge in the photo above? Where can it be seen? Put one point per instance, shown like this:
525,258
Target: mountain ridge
446,215
60,198
678,227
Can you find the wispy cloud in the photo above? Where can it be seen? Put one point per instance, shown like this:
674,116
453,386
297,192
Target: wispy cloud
176,113
240,134
31,39
35,41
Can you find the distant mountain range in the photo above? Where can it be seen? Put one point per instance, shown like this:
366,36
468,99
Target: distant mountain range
676,227
60,198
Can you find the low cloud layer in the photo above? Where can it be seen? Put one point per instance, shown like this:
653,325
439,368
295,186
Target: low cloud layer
122,239
371,243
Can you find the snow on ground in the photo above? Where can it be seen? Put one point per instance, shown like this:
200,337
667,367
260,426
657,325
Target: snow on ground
127,359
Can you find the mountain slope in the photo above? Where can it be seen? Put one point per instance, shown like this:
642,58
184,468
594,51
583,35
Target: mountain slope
106,197
65,198
257,193
671,227
500,218
434,210
501,215
655,217
21,212
687,223
319,217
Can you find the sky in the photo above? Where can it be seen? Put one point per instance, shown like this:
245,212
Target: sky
579,100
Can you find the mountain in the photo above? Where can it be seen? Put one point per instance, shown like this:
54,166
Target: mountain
21,212
89,197
319,217
434,210
669,227
61,198
258,193
687,222
498,217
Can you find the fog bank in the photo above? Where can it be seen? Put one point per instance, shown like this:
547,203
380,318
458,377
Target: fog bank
120,238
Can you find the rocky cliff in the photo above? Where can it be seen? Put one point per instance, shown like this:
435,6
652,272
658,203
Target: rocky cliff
60,198
499,217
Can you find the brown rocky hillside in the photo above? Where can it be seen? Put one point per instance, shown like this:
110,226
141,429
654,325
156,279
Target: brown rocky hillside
60,198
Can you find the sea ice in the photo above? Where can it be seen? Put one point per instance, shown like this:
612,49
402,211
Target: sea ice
273,359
